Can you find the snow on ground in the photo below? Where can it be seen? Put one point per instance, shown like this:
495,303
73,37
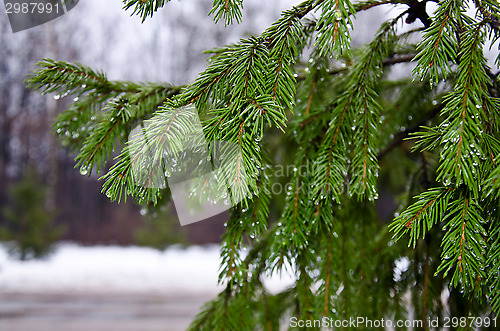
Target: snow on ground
113,269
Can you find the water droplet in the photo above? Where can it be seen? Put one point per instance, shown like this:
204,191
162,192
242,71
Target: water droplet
57,97
338,15
84,171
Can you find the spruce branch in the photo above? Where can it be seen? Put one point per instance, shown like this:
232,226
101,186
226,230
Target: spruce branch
229,10
341,113
464,126
362,112
489,10
333,36
108,108
356,110
463,243
119,117
493,260
248,222
427,210
144,8
66,79
285,39
438,47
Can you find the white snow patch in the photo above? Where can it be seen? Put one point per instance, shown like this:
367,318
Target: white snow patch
402,264
112,269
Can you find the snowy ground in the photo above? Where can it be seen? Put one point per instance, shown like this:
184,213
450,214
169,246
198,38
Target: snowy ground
110,288
73,268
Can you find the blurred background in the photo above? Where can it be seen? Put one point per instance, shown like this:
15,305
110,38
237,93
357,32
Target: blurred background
68,256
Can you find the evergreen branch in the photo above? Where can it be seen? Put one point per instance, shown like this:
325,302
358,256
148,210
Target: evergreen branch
235,83
311,93
120,114
251,221
356,107
100,143
303,285
333,36
322,233
438,47
422,215
492,183
229,10
144,8
202,320
328,257
66,78
493,260
85,109
143,164
292,230
386,63
462,150
490,9
333,26
285,38
463,243
331,165
364,112
123,103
